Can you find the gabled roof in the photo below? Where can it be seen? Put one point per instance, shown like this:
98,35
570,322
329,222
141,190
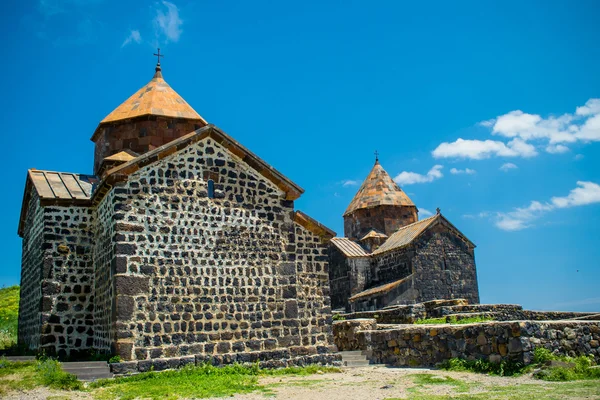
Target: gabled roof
60,188
407,234
349,248
125,155
120,172
377,190
386,287
312,225
155,98
373,233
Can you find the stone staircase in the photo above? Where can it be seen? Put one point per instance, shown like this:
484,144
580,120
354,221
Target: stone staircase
88,370
354,359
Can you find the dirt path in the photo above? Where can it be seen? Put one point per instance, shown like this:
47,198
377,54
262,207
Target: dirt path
380,383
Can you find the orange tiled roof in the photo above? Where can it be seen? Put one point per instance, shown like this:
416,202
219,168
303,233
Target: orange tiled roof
377,190
155,98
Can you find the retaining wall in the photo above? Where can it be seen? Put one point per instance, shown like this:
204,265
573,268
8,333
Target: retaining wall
427,345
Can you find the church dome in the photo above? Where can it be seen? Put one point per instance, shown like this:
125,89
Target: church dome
155,98
379,189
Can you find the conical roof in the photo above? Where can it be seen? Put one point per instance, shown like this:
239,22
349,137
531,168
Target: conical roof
155,98
379,189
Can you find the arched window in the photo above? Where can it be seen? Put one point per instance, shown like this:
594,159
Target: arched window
211,189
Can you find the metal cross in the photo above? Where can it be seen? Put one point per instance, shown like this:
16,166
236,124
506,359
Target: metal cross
376,155
158,56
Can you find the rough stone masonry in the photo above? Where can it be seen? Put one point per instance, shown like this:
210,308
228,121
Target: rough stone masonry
188,245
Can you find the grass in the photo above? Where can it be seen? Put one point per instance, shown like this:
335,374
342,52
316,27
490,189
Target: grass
425,384
28,375
196,382
453,320
9,315
575,368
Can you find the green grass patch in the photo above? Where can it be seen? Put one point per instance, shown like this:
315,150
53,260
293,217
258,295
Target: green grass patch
28,375
574,368
195,382
422,380
9,316
453,320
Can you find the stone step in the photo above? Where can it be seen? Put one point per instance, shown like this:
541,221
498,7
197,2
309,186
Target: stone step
356,363
88,370
80,364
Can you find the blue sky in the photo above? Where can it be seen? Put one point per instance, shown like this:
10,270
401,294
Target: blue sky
488,110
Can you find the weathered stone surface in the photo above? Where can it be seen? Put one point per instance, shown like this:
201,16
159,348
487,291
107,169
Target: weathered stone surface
414,345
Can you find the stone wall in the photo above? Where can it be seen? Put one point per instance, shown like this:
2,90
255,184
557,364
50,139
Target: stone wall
347,277
31,275
200,275
67,281
105,265
139,135
427,345
386,219
265,359
444,266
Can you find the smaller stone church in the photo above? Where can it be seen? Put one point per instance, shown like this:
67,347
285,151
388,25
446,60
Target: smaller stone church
389,257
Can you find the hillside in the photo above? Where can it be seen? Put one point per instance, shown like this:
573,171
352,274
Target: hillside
9,313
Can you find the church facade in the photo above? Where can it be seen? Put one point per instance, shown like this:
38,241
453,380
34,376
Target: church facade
182,242
388,257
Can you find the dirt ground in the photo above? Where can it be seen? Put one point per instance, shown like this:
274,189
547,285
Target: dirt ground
376,383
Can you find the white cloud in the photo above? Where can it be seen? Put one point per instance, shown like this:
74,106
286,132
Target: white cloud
508,166
586,193
556,148
409,178
349,182
528,132
467,171
579,157
169,23
134,36
488,124
424,212
591,107
480,149
520,218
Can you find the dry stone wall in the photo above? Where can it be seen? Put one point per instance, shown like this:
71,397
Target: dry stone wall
427,345
214,276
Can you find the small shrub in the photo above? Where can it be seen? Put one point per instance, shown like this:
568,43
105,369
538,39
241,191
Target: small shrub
441,320
338,317
503,368
114,359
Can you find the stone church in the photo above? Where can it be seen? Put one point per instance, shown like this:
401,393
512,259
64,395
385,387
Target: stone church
389,257
181,243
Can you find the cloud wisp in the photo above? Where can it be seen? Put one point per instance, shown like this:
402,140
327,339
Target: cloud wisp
134,36
521,218
349,183
168,24
508,166
409,178
526,133
467,171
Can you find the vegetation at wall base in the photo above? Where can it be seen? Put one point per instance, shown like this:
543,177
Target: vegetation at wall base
9,316
453,320
567,368
30,374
